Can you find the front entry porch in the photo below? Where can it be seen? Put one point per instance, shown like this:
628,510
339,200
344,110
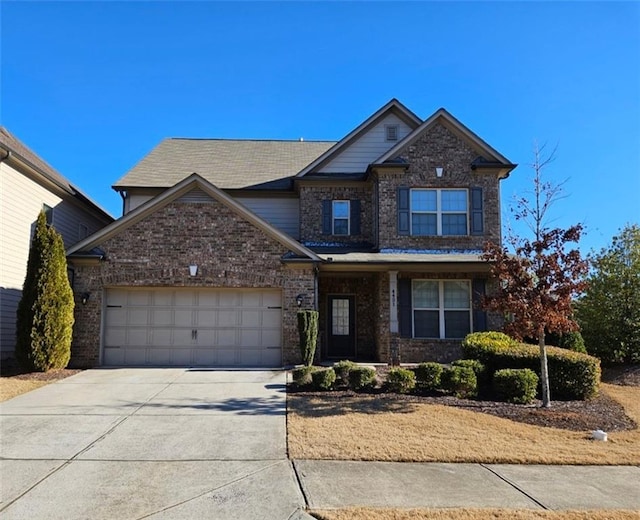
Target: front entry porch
347,305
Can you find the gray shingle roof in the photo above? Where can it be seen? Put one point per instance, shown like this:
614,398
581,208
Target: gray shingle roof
226,163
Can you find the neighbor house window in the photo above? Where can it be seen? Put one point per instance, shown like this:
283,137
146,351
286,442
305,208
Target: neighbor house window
340,212
48,211
438,212
441,308
83,231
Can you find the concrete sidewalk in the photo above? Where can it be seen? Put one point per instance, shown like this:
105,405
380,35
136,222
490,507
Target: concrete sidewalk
340,484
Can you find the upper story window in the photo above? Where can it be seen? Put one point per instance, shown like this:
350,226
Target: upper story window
438,212
391,132
340,218
48,211
441,308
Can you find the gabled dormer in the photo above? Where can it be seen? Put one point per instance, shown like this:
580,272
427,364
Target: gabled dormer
375,136
337,199
439,188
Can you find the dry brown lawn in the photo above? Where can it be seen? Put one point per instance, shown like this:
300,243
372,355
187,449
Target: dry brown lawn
11,387
470,514
361,428
14,382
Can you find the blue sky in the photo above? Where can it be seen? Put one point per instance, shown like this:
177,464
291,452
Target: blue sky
92,86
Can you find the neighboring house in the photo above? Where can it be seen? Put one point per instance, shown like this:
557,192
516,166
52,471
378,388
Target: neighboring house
223,241
28,185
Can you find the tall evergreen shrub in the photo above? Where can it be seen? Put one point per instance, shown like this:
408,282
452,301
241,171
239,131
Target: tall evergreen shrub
45,313
308,331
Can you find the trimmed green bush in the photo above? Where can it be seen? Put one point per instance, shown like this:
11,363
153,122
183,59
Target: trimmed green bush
44,320
342,369
572,375
361,378
308,331
323,379
516,385
428,375
302,376
460,381
478,368
401,380
572,341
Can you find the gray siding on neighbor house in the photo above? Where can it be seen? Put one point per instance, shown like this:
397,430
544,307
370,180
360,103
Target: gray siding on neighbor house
21,199
367,148
281,212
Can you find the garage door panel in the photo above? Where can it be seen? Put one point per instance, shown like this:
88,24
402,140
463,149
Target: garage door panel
137,336
207,318
159,356
227,357
139,298
134,356
250,338
227,338
163,298
271,299
193,326
161,337
115,317
113,356
271,338
161,317
206,337
272,318
205,357
115,337
227,318
251,318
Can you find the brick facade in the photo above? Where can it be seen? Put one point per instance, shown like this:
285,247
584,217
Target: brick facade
311,198
437,147
157,252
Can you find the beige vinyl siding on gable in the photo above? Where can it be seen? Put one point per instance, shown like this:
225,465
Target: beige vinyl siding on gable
138,197
283,213
367,148
21,199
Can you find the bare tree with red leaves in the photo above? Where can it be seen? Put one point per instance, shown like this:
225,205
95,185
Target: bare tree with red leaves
540,277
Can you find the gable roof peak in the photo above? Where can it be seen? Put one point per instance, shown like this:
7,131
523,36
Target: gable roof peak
393,105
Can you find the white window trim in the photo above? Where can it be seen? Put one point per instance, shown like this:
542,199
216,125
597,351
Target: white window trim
441,310
438,212
333,218
387,128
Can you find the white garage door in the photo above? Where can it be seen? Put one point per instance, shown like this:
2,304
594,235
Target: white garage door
187,327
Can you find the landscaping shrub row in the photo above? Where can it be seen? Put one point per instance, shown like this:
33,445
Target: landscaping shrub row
572,375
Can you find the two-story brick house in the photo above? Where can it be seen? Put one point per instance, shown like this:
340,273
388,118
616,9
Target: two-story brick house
223,241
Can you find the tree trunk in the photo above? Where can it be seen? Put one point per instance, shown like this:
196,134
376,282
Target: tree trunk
544,370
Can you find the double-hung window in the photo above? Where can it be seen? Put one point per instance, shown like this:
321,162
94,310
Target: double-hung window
441,308
439,212
340,217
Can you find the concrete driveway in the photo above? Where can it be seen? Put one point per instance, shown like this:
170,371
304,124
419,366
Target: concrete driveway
149,443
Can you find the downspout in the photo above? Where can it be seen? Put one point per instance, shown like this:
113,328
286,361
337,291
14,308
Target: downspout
316,303
121,192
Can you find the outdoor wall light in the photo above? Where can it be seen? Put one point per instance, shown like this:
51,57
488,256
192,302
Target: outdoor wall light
300,299
85,298
193,270
439,171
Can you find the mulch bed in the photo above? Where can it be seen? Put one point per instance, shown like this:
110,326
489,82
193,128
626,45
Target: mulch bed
10,368
601,412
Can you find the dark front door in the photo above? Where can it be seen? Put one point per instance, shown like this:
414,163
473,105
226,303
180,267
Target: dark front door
342,327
